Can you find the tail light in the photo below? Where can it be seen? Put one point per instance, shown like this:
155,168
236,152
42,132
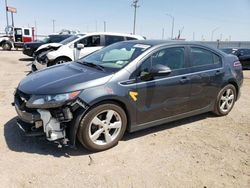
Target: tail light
237,64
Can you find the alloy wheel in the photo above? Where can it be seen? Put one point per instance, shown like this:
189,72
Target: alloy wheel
105,127
227,100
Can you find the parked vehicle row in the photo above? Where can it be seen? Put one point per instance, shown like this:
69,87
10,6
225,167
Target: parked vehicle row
30,47
129,85
242,53
76,47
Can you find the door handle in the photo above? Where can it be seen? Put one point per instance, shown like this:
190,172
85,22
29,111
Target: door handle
218,72
184,79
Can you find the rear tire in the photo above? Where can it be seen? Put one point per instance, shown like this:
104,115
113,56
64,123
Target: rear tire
102,127
6,46
225,100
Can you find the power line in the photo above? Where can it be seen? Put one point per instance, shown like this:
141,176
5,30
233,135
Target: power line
134,4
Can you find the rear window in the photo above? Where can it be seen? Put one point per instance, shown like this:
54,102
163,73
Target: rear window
109,39
202,57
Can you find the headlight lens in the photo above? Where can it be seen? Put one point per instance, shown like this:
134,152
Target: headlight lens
51,101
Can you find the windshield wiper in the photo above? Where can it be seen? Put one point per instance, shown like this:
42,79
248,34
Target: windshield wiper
90,64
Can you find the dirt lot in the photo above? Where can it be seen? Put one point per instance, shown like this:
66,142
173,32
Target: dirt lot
202,151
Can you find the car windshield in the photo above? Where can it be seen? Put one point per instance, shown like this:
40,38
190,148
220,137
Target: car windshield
45,40
70,39
116,56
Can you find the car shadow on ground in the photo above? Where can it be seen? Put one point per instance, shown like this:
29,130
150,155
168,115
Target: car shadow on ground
26,59
12,50
158,128
16,141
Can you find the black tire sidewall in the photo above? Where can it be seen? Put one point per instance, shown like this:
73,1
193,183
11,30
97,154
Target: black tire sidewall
217,109
9,46
83,131
61,59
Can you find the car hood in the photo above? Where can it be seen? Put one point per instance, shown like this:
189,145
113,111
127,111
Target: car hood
49,45
63,78
33,44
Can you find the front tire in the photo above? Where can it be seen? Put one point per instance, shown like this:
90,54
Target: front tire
102,127
225,100
60,60
6,46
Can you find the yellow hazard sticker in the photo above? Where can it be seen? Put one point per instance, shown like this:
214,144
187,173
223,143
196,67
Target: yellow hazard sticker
133,95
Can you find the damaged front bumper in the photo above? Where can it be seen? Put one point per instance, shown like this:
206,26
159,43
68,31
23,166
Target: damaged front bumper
56,124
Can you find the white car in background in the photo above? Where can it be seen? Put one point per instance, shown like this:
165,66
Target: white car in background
76,47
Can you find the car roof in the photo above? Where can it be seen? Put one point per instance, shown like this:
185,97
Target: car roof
167,42
114,33
55,35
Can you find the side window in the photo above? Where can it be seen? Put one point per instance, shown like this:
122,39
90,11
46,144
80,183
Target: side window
91,41
112,39
18,31
174,58
26,32
202,57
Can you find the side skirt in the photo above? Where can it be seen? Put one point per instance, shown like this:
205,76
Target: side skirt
170,119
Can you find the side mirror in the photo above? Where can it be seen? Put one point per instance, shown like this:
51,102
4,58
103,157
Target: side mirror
80,46
160,70
157,70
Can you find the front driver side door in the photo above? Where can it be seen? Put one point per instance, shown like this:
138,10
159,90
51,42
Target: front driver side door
91,44
163,96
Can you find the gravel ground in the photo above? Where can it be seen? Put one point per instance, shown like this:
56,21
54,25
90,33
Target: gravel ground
202,151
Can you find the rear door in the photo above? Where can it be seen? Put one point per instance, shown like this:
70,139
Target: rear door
206,76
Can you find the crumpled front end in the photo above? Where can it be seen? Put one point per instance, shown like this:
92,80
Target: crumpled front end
55,122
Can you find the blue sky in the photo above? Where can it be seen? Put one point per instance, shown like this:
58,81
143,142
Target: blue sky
232,17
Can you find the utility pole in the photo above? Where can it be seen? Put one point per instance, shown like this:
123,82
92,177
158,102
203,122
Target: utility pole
172,32
7,19
134,4
104,26
163,33
212,33
95,26
35,30
12,18
53,25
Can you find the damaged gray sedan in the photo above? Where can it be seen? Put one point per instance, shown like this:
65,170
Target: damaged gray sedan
130,86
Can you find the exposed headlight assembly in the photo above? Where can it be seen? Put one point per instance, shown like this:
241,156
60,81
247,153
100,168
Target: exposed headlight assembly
51,101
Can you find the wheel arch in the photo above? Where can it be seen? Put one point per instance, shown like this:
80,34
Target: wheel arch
81,113
234,83
63,57
6,41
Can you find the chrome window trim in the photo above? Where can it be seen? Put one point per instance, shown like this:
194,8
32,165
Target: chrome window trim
181,75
